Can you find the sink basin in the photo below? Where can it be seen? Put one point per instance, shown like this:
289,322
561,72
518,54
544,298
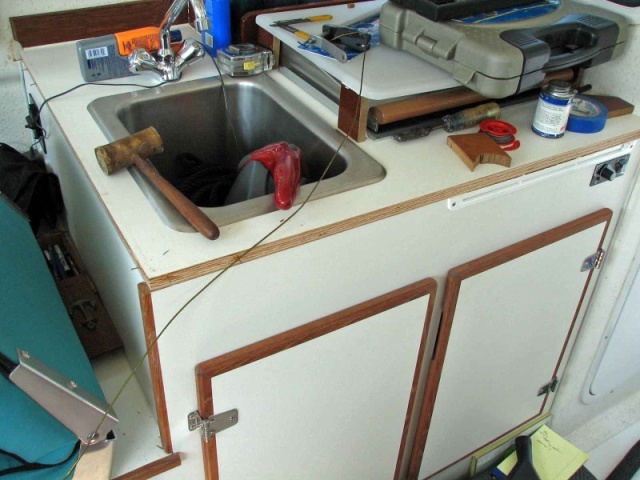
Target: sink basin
192,118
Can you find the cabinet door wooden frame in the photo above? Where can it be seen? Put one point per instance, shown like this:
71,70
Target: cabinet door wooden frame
454,282
207,371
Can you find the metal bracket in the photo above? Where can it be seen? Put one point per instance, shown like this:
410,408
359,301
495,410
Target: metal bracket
594,261
548,387
212,425
76,408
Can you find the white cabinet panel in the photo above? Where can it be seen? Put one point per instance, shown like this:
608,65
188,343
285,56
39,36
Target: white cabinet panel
506,319
333,405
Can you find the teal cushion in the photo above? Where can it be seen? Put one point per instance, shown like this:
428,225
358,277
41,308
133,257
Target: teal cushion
33,318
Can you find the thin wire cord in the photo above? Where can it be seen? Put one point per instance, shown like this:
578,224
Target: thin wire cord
238,258
227,110
38,121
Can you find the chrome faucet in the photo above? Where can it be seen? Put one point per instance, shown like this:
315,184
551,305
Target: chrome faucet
165,62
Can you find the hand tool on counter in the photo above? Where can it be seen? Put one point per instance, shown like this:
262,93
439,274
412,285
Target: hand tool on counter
287,24
332,39
283,161
293,21
457,121
135,150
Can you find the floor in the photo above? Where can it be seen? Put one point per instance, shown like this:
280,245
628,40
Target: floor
138,442
604,458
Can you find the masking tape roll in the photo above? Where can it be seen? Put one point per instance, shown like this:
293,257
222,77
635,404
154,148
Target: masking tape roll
587,115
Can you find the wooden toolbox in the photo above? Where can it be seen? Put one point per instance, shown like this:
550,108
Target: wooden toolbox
79,294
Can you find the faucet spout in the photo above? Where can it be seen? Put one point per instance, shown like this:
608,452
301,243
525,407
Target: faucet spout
164,62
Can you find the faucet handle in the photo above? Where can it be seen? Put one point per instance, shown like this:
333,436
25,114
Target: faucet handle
190,52
140,60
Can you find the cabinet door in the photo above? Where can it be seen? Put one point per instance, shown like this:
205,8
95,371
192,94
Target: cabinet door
507,318
327,400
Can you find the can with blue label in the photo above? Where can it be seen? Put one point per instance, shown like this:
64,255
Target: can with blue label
554,107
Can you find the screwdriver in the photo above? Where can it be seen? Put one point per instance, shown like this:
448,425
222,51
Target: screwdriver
286,24
316,18
456,121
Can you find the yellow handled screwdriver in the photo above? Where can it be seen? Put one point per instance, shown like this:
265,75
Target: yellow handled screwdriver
293,21
287,24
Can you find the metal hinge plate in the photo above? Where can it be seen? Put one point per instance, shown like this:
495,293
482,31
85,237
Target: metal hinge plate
594,261
212,425
548,387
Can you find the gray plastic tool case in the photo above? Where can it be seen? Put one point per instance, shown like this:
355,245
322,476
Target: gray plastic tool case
499,60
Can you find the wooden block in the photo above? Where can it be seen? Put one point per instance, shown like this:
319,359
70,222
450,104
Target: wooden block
475,148
616,107
352,114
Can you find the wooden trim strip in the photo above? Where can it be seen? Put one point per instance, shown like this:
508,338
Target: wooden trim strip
205,268
575,317
452,290
208,369
420,363
68,25
150,335
153,469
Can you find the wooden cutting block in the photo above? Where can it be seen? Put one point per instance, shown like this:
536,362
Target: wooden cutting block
476,148
616,106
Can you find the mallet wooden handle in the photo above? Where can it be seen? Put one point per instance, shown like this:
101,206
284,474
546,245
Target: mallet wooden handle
186,207
134,150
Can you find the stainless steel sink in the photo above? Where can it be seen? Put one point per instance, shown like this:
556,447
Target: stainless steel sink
200,118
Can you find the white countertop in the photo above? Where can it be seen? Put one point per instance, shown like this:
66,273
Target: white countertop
389,73
418,172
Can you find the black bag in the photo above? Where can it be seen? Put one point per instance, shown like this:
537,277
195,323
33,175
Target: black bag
30,186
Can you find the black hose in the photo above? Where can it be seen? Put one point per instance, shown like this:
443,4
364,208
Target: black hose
628,466
6,365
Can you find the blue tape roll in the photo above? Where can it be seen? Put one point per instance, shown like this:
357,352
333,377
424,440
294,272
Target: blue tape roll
587,115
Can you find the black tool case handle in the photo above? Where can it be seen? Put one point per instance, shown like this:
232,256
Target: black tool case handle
577,40
441,10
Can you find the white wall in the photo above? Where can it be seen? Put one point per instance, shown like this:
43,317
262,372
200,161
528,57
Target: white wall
620,77
588,421
12,129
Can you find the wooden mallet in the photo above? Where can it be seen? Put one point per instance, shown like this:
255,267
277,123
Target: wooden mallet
135,150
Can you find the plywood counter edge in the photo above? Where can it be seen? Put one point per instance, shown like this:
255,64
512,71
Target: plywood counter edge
227,261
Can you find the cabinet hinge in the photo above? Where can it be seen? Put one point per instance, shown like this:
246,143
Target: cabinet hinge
212,425
593,261
548,387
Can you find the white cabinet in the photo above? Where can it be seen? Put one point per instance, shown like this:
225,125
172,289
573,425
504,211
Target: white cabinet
507,319
329,399
236,323
325,346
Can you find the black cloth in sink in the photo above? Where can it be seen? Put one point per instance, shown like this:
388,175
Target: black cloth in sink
206,184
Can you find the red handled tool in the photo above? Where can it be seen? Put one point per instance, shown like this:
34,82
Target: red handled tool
282,159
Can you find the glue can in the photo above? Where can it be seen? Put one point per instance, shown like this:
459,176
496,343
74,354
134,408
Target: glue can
554,107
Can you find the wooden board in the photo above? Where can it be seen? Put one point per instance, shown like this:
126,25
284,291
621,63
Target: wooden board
67,25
